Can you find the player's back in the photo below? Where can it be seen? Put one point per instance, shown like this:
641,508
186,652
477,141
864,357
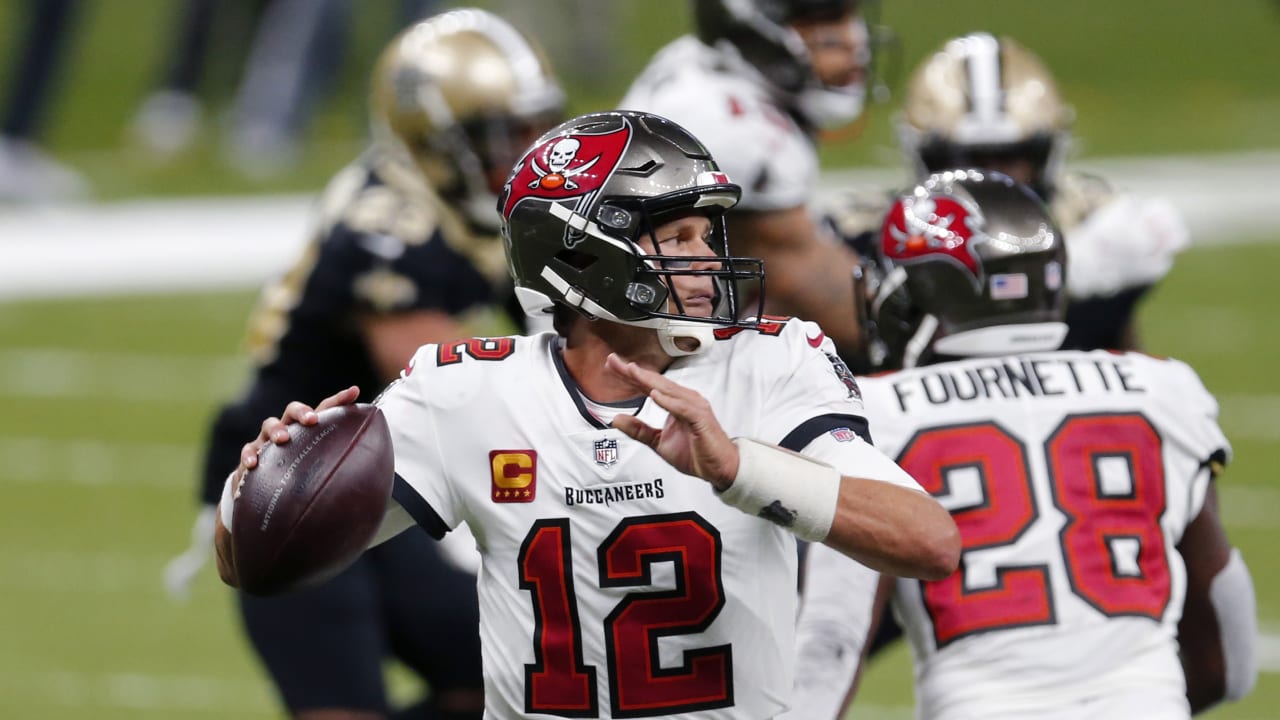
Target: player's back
1071,476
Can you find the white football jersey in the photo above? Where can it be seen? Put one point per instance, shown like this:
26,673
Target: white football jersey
1071,476
611,584
727,104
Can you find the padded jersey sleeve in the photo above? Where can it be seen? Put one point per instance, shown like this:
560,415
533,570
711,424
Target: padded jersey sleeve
811,391
422,483
1189,421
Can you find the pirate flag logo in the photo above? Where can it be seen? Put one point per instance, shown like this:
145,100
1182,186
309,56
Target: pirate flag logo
567,166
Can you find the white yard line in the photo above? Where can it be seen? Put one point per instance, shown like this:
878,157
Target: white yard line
62,373
136,691
89,462
1221,196
237,242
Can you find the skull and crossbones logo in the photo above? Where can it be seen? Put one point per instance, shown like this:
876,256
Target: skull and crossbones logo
558,174
927,229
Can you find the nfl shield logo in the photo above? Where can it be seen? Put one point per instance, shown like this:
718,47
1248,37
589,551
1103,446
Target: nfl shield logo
606,452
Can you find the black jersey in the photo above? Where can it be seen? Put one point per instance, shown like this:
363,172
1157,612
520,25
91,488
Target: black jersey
382,243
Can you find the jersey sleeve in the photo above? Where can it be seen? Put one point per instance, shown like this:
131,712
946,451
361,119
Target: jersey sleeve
421,485
816,394
1190,423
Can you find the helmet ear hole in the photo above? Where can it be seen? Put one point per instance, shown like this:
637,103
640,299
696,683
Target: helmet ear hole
576,260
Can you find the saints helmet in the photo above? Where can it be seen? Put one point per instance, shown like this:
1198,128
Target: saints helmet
757,32
463,93
979,99
969,263
576,204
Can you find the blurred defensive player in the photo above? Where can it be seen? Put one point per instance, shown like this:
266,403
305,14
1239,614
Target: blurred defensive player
757,83
1096,578
406,251
637,561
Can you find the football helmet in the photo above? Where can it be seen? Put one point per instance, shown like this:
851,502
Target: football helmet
463,93
578,201
969,263
758,33
981,101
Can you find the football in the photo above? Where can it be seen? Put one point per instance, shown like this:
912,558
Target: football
312,505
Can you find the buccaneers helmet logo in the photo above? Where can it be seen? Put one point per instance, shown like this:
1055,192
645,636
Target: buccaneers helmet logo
566,166
919,227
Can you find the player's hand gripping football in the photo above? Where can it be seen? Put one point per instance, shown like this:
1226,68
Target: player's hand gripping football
275,430
691,439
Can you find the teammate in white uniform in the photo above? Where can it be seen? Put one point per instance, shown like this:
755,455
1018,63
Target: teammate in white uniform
1082,483
757,82
636,561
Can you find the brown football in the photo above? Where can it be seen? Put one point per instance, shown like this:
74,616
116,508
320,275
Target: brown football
312,505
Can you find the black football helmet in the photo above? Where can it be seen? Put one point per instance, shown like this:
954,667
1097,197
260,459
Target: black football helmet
969,263
758,32
576,203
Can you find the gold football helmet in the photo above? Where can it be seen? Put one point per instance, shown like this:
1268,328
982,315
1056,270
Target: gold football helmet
986,102
464,94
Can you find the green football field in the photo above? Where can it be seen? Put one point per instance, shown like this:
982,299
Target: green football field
106,401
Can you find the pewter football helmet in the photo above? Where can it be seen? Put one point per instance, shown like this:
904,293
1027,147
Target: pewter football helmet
968,263
578,201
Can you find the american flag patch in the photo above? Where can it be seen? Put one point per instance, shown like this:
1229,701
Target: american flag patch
1010,286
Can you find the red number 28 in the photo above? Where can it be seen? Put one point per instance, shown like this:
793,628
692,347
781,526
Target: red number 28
1106,475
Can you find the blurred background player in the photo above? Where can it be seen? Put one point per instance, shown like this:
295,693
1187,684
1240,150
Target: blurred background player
758,82
1097,580
27,173
406,253
987,102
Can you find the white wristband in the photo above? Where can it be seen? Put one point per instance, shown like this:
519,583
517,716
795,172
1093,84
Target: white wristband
794,491
226,506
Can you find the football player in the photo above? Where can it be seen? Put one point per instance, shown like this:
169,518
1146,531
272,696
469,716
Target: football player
638,478
406,251
757,83
1096,578
986,102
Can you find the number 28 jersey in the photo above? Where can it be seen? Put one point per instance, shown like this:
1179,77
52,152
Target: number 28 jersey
611,584
1071,476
